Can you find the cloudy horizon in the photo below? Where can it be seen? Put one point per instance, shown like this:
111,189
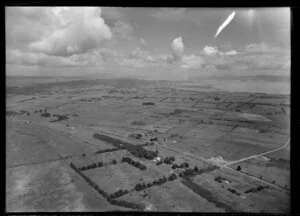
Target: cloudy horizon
82,40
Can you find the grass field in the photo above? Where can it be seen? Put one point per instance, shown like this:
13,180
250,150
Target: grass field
200,126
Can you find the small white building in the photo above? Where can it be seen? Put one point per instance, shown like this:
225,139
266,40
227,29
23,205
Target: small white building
227,182
157,159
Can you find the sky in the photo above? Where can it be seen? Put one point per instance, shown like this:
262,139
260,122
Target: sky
146,41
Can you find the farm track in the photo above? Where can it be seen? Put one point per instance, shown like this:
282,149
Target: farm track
261,154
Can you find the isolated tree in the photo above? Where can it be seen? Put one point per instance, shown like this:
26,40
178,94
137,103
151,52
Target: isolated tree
196,169
239,168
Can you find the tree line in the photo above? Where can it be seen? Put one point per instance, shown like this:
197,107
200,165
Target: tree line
259,188
221,179
166,160
134,163
160,181
183,165
233,191
95,165
136,150
196,171
108,150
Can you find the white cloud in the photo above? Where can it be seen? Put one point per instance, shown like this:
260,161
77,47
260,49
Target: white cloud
232,52
177,48
39,59
143,41
208,50
251,58
79,29
191,61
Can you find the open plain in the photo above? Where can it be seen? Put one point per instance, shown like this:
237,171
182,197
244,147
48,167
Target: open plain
126,144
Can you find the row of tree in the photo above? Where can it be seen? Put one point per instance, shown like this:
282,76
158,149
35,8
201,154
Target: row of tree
107,196
108,150
160,181
259,188
95,165
118,193
220,179
169,160
166,160
183,165
46,114
189,172
233,191
134,163
197,171
155,139
60,118
41,110
136,150
140,152
89,181
127,204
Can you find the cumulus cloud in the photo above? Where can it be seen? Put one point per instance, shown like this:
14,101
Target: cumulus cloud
39,59
208,50
191,61
251,58
143,41
79,29
213,51
232,52
177,48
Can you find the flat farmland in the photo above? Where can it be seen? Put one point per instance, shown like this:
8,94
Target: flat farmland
273,167
179,199
121,176
245,202
51,187
202,149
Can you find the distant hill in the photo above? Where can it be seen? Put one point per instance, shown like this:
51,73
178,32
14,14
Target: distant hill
265,78
35,86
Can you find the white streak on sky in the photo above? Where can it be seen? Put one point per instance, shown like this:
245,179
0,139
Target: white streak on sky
225,23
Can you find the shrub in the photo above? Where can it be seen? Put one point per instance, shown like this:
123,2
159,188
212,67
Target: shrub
114,161
233,191
172,177
134,163
159,162
46,114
